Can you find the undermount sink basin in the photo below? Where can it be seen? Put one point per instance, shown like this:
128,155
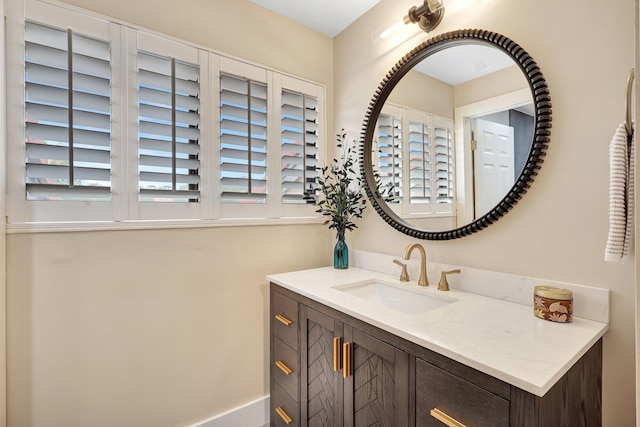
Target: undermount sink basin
394,297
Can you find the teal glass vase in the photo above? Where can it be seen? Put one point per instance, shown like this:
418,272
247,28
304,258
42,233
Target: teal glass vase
341,253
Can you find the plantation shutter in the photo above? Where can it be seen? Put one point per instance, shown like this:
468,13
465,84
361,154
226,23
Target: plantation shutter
168,129
390,156
68,115
299,141
420,162
443,145
243,140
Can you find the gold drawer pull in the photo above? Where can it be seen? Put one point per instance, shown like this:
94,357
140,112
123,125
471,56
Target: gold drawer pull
284,368
284,320
445,419
287,419
336,354
346,354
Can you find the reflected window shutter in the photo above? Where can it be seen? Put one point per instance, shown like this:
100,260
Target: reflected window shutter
299,141
68,115
420,164
168,129
243,140
443,147
390,157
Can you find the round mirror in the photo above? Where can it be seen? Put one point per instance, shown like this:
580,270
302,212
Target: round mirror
455,134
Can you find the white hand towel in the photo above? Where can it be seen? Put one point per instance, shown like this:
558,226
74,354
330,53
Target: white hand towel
621,188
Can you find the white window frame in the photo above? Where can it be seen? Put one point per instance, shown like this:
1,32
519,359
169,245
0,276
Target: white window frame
125,210
395,113
141,41
406,209
261,75
433,208
19,208
301,86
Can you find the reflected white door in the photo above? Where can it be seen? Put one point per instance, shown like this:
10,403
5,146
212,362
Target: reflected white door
493,164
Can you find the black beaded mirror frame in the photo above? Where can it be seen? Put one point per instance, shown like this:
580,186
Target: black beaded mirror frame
542,125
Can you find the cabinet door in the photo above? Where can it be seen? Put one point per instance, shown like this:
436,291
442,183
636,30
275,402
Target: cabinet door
321,394
376,387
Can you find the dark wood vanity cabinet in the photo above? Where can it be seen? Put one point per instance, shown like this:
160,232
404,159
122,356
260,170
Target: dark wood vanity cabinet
330,369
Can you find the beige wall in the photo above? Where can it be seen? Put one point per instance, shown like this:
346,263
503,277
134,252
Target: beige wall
144,328
3,242
158,328
435,97
499,83
559,229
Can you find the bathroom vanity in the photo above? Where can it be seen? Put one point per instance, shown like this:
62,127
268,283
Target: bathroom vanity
342,355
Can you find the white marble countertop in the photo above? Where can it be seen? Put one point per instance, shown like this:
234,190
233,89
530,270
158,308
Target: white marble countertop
500,338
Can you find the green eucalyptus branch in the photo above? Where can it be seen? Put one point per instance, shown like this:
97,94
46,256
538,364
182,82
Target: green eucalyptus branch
341,197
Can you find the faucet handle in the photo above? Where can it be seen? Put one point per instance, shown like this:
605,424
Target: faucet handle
404,276
444,285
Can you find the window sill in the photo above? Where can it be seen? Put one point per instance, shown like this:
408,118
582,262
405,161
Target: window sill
79,226
427,215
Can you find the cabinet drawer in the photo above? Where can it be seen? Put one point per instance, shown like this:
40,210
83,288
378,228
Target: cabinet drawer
286,359
466,403
284,312
283,406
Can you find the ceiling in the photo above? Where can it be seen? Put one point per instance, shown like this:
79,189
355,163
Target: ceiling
326,16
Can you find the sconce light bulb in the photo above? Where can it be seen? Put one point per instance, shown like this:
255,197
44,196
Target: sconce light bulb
385,33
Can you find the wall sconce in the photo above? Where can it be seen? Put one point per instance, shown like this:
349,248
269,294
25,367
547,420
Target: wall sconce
428,16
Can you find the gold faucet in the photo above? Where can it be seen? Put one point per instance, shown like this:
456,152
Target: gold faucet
423,281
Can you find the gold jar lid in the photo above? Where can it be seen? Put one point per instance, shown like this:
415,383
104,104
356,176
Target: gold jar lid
553,292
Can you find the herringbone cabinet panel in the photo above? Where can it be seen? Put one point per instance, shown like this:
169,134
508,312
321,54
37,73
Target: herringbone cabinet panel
376,392
323,384
374,389
320,371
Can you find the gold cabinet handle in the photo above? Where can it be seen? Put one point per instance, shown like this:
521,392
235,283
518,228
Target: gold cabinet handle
346,355
286,418
284,320
284,368
336,354
445,419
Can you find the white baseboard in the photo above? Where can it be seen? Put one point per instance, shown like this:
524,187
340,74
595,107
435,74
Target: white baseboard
253,414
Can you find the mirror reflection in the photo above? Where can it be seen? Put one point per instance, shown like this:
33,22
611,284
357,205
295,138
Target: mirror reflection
453,136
